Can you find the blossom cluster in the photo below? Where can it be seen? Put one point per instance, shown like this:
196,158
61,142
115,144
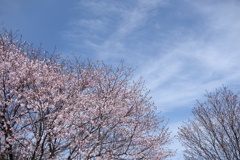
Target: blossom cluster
71,110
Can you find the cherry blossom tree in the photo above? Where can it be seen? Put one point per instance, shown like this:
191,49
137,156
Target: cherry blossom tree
214,131
53,109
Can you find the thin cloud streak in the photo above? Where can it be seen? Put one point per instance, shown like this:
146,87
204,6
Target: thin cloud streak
182,67
137,17
197,65
110,45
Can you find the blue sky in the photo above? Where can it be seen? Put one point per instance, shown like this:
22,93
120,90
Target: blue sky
180,47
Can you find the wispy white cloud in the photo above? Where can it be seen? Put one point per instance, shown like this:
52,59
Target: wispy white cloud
178,64
203,61
109,25
137,16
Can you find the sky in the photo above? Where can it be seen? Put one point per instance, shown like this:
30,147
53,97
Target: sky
181,48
